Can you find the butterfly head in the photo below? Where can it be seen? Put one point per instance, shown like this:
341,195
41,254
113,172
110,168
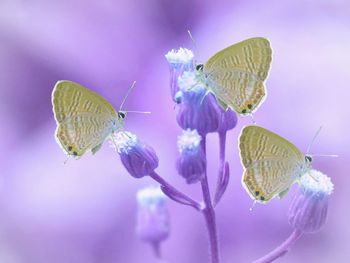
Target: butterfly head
118,122
201,74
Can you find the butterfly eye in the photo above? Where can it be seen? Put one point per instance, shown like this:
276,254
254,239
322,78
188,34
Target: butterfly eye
199,67
308,158
121,115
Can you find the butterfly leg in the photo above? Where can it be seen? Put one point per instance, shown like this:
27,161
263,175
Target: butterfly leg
66,161
283,193
313,177
253,205
113,142
253,119
96,148
205,94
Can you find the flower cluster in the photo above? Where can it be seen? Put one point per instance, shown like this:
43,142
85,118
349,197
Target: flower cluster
199,114
198,109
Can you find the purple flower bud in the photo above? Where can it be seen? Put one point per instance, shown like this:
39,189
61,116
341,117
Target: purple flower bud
139,159
192,162
198,110
308,210
179,61
152,218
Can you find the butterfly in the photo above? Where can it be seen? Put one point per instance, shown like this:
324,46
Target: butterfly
272,164
84,119
236,75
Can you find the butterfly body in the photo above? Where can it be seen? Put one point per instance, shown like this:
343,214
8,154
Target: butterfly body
272,164
84,119
236,75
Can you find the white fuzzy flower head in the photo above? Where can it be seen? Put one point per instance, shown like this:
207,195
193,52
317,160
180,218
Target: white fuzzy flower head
316,182
189,81
189,141
182,56
124,141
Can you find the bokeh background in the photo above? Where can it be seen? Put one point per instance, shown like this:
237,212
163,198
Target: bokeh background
85,211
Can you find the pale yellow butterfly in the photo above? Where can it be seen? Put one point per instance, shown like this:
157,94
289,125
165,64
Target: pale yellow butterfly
84,119
272,164
236,75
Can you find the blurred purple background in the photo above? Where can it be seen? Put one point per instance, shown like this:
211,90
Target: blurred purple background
85,211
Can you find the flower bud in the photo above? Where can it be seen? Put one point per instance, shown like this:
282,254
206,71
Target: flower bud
138,159
191,163
227,120
152,218
198,109
308,210
179,61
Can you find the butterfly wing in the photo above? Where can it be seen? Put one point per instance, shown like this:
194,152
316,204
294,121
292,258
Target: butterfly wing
271,163
238,90
84,119
236,74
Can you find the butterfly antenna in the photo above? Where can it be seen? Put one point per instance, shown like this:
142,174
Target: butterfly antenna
127,94
253,119
313,139
194,44
325,155
136,111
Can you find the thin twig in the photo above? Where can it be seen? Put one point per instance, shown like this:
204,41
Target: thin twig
209,214
281,249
